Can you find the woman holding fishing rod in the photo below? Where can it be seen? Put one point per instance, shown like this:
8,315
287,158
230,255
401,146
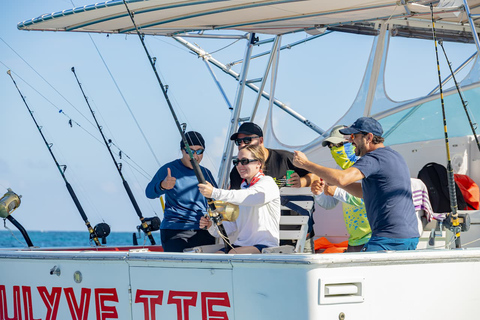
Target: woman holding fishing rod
184,205
257,225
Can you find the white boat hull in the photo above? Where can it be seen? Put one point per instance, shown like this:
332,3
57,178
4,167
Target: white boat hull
136,285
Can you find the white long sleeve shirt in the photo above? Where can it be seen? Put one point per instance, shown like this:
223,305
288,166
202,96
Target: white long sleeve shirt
258,221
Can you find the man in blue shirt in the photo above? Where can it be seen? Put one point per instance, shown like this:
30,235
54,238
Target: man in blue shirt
385,186
184,204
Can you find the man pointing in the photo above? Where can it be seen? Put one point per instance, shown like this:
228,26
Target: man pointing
385,186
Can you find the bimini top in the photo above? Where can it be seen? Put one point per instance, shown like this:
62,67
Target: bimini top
408,18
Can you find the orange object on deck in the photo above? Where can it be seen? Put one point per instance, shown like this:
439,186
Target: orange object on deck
470,191
323,243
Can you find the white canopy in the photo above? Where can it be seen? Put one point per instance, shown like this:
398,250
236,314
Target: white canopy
175,17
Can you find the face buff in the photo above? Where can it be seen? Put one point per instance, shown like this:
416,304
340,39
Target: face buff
344,155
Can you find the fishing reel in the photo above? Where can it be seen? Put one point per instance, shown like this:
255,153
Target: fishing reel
102,230
227,211
463,222
224,211
153,224
9,203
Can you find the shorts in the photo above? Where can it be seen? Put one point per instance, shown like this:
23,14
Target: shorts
260,247
384,243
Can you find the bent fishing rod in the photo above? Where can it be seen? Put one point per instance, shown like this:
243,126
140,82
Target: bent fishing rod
93,233
464,103
144,225
196,167
450,177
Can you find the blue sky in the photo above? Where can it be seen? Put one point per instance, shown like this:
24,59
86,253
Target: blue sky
319,79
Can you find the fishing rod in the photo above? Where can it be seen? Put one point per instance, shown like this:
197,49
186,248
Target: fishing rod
451,179
147,228
464,103
196,168
100,226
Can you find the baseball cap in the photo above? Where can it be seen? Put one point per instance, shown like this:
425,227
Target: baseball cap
248,128
193,139
335,136
364,124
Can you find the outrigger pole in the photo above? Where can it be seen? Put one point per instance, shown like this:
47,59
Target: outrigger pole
93,234
451,179
196,168
144,225
464,103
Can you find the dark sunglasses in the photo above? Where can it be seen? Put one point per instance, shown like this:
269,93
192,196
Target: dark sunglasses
246,140
244,161
198,152
331,145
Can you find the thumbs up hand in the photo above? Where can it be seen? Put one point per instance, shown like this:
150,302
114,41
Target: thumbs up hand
169,181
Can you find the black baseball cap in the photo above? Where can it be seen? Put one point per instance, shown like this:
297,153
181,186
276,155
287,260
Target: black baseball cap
364,124
193,139
248,128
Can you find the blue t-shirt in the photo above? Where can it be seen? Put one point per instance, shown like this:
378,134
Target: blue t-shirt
184,204
387,194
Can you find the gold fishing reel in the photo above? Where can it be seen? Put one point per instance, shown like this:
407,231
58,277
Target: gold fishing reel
9,203
228,211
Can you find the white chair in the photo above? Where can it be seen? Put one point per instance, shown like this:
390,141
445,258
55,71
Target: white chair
301,201
298,235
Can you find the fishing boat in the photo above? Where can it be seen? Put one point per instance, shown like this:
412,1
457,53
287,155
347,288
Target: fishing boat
141,282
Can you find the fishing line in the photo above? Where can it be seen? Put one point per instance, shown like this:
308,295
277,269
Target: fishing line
120,152
187,122
60,111
145,227
51,86
125,101
451,180
93,234
464,103
177,47
11,232
194,163
73,121
143,199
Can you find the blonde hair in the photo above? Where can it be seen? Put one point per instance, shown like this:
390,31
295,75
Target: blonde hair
258,153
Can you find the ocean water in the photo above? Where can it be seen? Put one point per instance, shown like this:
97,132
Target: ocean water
45,239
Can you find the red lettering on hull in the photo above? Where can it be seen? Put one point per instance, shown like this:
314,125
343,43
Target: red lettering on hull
78,312
51,301
149,298
105,303
183,300
104,311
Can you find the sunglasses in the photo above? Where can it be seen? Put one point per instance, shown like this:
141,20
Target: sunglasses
352,136
244,161
198,152
337,145
246,140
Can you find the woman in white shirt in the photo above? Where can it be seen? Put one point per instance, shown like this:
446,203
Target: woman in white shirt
258,222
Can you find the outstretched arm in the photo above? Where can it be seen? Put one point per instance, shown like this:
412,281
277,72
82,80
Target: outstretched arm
340,178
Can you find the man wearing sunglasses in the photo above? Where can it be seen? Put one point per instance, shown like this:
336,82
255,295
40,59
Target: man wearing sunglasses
276,166
385,188
278,161
184,205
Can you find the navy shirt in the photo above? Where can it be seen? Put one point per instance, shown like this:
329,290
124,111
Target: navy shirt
184,204
387,194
